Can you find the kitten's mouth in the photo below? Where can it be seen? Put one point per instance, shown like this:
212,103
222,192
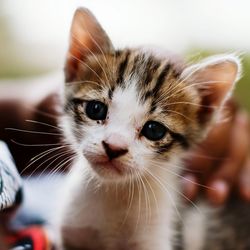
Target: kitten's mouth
110,165
104,166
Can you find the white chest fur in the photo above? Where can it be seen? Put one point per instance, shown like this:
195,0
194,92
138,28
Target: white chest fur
101,216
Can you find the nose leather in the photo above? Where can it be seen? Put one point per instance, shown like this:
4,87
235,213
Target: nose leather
113,151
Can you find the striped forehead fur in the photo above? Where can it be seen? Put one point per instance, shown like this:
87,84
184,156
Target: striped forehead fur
157,85
120,68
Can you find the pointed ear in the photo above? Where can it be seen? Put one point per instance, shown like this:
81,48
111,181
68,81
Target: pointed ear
86,38
215,78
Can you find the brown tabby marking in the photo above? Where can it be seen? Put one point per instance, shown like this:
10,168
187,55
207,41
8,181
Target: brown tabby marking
170,99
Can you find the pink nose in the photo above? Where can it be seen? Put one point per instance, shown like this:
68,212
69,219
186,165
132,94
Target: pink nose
115,146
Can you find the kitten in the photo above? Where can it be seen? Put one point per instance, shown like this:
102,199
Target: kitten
130,115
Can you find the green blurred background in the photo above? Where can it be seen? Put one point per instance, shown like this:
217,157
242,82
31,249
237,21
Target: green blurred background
14,64
18,61
242,91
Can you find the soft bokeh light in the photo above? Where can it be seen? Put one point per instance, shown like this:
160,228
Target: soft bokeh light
38,30
176,25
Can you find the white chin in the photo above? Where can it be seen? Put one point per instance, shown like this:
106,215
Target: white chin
108,172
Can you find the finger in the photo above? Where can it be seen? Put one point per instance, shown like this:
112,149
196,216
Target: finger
228,171
200,163
189,186
218,192
212,149
244,181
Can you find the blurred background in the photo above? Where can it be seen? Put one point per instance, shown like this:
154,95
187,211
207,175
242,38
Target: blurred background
34,34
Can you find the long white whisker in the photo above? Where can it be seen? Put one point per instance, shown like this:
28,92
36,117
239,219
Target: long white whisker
147,201
191,85
129,200
169,195
31,131
82,82
191,103
45,124
188,76
96,43
153,193
58,155
61,165
41,155
94,57
85,64
46,114
35,145
182,177
185,197
178,113
139,200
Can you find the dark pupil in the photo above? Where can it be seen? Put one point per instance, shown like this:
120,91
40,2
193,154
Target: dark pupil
154,131
96,110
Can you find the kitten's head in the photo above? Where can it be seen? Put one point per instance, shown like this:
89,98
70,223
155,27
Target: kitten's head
130,111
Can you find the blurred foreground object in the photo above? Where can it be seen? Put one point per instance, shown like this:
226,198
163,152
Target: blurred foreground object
27,238
32,238
10,180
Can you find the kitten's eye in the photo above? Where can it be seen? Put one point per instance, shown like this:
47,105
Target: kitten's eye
154,131
96,110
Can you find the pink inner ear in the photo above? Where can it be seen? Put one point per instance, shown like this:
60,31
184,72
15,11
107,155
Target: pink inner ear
220,80
215,83
86,38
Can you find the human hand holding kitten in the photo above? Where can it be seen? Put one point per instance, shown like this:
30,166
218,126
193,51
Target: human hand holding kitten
222,161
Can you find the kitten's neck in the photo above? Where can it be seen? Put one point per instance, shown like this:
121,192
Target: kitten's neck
152,194
139,208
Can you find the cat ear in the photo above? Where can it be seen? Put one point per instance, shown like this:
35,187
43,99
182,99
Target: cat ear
86,38
215,78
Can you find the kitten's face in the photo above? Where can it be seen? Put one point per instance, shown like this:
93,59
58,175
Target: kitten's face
130,115
129,111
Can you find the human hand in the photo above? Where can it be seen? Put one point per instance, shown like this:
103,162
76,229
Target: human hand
26,109
222,162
